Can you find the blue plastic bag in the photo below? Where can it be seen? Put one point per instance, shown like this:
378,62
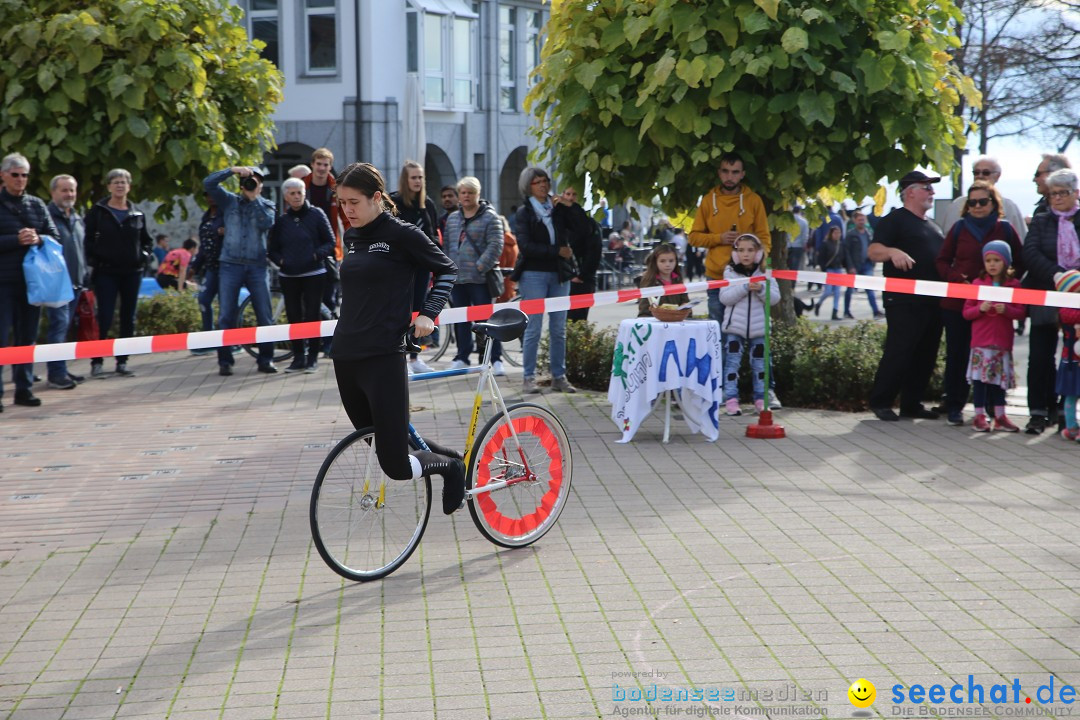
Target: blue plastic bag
46,273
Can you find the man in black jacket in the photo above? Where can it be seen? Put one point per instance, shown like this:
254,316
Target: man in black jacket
23,219
587,244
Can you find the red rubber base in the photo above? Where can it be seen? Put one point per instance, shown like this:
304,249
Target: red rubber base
764,428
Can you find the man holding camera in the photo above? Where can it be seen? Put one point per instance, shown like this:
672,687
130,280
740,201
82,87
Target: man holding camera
248,219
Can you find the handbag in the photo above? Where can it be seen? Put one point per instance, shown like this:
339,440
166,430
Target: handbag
493,277
47,279
86,317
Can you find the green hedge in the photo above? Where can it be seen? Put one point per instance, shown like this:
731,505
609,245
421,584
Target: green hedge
816,365
162,314
167,313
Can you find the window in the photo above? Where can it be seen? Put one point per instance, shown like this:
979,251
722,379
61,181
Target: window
320,21
412,42
434,79
463,63
533,43
264,25
507,59
441,47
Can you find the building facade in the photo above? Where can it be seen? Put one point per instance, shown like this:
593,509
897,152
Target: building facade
441,82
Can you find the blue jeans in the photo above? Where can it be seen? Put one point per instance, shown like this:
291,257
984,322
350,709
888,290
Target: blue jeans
537,284
833,290
59,321
108,287
733,352
206,297
18,326
466,295
716,308
716,312
231,276
866,269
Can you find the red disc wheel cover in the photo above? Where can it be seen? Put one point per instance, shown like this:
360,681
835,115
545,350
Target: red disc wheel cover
520,526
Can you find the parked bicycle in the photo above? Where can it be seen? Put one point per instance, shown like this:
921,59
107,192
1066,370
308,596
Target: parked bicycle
518,473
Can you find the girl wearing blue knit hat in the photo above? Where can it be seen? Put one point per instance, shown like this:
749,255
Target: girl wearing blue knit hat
990,369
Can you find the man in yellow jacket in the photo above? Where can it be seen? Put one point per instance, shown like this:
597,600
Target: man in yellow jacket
727,211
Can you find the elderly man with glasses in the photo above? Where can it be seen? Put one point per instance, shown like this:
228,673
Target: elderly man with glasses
987,169
23,220
908,244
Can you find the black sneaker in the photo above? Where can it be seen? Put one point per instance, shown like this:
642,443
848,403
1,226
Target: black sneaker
224,370
1036,425
956,419
122,369
919,413
64,383
27,398
268,368
885,414
77,379
295,367
453,489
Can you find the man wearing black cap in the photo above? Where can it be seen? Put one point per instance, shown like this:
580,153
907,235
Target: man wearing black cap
248,218
908,245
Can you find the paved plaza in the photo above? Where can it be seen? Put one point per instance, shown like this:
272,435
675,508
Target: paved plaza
156,562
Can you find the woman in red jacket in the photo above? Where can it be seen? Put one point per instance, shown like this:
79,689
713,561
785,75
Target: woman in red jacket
961,261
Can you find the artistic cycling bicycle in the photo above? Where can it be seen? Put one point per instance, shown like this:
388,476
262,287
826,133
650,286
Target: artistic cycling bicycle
518,473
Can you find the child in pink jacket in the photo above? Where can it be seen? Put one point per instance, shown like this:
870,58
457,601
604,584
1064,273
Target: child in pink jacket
990,370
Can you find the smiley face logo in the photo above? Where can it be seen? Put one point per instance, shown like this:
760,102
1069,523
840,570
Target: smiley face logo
862,693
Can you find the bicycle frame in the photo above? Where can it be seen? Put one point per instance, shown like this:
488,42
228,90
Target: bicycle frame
487,378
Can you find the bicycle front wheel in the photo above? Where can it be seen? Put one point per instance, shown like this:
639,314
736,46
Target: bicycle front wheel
365,525
538,468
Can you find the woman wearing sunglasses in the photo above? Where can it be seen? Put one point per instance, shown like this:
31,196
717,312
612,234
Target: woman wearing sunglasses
961,261
1051,247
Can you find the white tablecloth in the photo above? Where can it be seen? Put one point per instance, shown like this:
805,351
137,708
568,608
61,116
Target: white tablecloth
652,357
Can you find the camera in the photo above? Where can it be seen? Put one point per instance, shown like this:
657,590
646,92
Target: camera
249,183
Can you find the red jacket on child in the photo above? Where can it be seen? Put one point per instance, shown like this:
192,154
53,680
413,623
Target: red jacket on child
991,329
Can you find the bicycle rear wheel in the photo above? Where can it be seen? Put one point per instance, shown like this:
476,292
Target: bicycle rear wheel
283,349
365,525
540,471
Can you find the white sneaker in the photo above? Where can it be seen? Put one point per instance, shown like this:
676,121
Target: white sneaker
497,366
774,402
459,365
418,366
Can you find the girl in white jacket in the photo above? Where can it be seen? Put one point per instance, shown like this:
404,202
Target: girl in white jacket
744,320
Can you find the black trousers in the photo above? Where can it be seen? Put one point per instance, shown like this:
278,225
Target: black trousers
108,288
1042,369
303,296
957,357
581,288
911,345
375,392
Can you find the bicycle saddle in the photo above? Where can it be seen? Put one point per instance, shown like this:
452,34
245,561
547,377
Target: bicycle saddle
503,325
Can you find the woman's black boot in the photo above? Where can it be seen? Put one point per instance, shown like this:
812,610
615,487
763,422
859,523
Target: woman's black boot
453,475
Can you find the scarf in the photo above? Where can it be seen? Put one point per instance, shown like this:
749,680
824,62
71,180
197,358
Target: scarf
543,211
1068,245
980,227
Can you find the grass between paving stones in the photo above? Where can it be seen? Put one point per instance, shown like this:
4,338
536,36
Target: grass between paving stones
472,623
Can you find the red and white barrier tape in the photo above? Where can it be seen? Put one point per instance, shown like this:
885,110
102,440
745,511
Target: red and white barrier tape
450,316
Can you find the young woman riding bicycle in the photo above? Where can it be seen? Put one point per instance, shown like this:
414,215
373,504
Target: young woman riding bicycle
382,256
